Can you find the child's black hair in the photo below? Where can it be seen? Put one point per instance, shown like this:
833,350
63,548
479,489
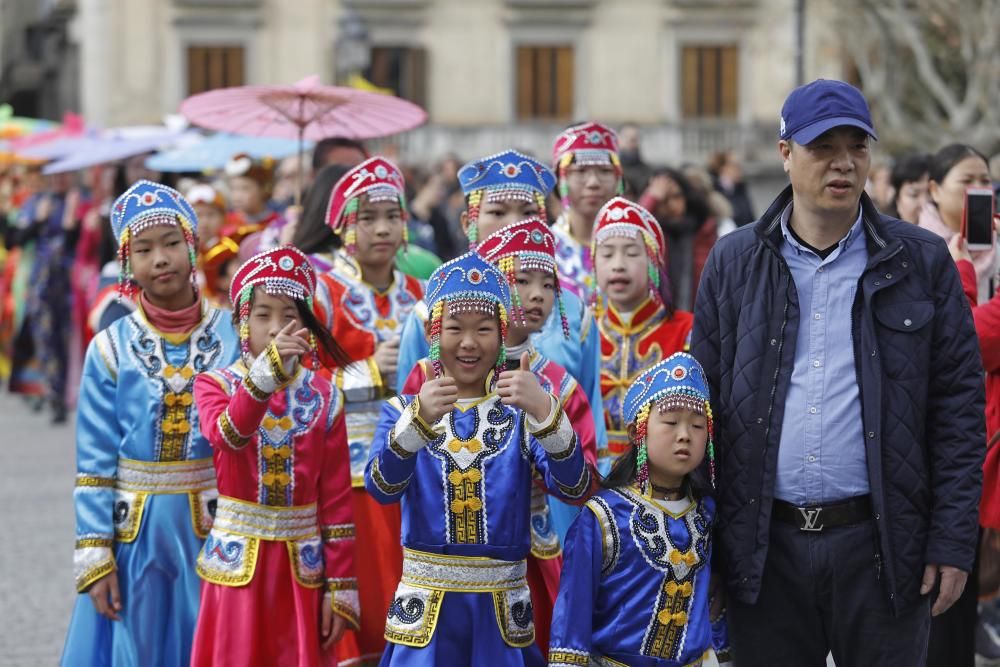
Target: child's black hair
324,339
625,469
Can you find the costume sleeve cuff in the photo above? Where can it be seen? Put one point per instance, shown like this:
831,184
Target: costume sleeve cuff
554,433
92,559
266,375
342,596
230,434
412,433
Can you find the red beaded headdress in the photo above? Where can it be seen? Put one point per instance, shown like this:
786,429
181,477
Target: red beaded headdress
532,244
584,144
377,177
623,218
283,271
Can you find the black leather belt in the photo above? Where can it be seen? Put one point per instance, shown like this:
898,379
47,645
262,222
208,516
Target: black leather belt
814,518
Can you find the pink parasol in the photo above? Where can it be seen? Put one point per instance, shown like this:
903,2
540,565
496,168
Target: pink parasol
305,110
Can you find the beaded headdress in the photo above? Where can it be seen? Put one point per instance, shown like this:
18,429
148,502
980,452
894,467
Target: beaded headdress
532,244
283,271
147,204
467,283
502,177
376,177
677,382
620,217
583,145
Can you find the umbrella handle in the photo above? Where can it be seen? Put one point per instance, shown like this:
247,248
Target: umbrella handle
298,172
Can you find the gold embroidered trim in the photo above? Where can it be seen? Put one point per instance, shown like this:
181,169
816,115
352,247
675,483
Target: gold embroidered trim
85,580
425,430
347,611
255,392
384,486
566,453
93,542
233,438
568,657
95,481
277,368
552,426
343,531
342,584
578,489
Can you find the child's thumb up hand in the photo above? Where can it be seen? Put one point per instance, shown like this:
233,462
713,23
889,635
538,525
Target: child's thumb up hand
525,361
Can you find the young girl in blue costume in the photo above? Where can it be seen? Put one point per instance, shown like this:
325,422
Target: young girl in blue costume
460,457
635,587
145,484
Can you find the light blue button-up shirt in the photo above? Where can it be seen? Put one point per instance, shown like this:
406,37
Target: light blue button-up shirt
821,455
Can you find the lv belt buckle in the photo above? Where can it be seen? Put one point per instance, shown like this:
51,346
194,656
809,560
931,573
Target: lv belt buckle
809,517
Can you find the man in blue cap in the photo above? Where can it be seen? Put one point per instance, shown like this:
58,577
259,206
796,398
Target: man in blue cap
848,393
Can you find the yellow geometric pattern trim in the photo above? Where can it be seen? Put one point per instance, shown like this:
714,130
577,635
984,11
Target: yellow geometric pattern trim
384,486
95,481
85,580
563,657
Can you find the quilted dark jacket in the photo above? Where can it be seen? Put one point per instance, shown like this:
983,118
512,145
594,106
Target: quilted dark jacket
921,378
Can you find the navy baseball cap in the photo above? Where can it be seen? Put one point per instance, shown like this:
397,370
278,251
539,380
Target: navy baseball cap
822,105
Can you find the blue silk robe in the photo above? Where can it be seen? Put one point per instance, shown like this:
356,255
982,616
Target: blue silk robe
465,488
144,496
580,355
635,584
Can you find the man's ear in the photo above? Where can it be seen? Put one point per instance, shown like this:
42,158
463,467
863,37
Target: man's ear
785,150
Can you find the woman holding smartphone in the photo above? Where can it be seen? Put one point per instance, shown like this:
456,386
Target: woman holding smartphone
954,169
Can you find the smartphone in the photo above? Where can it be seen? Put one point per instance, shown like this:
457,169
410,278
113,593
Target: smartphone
978,218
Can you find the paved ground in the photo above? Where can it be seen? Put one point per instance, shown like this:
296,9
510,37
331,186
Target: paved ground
36,570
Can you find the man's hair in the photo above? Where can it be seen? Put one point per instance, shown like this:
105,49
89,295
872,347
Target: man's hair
326,146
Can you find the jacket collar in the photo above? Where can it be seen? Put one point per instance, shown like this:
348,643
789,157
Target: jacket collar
880,241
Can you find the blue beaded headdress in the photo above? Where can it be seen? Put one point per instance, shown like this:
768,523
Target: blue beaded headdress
467,283
676,382
500,177
147,204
